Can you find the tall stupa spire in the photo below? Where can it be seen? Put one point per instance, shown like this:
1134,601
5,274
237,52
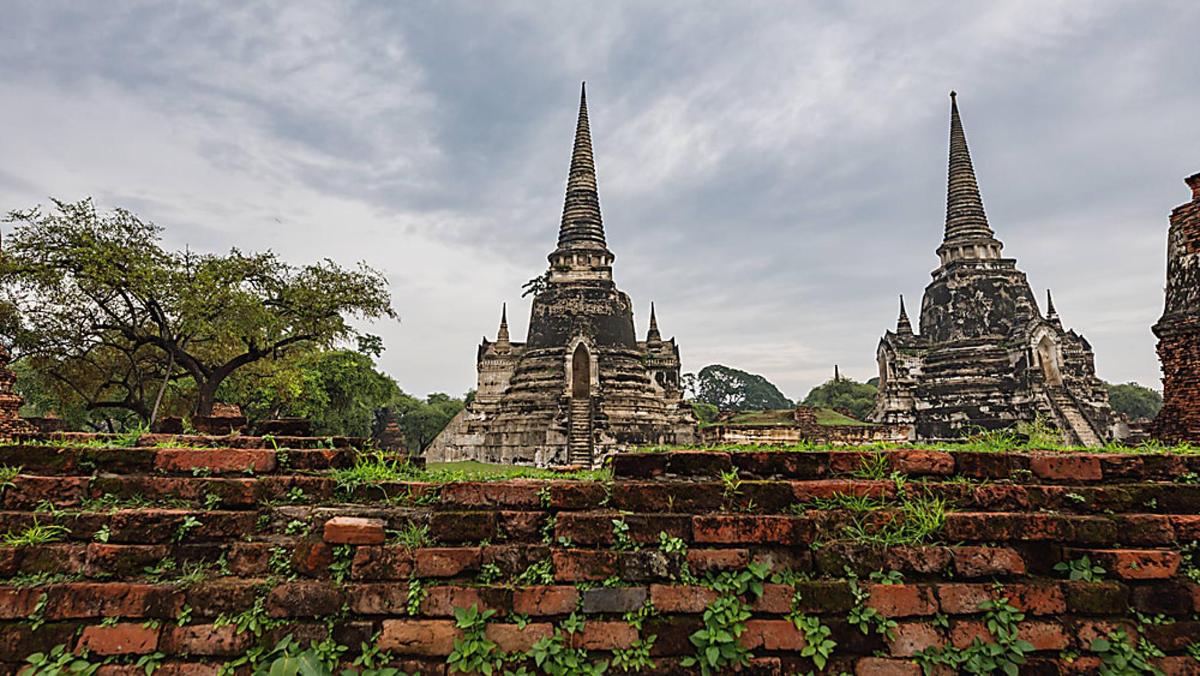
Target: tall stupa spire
903,325
967,234
653,336
581,225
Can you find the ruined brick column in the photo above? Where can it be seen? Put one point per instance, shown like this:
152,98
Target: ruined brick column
1178,329
10,402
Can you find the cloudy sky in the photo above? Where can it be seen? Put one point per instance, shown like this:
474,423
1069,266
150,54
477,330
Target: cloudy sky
772,174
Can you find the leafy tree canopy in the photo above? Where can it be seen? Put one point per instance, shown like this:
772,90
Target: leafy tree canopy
105,313
421,421
856,397
1134,400
730,389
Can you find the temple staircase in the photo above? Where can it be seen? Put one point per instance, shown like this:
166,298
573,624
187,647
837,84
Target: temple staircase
1077,424
579,432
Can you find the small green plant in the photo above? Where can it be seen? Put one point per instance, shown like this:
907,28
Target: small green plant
474,653
890,577
253,619
416,594
295,527
189,524
59,661
37,534
731,486
538,573
717,646
864,617
38,617
1081,569
636,657
413,536
489,573
1004,654
211,501
1119,656
553,657
280,562
102,535
622,542
875,466
7,474
343,560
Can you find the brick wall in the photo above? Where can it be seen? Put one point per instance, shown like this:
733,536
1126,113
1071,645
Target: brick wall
159,544
1178,329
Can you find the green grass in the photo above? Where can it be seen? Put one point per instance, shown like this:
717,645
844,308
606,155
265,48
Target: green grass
785,417
828,416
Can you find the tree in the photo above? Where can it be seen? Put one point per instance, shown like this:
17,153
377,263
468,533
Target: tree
339,391
1134,400
845,393
74,282
421,421
730,389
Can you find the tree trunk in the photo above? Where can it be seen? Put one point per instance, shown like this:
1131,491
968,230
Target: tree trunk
206,397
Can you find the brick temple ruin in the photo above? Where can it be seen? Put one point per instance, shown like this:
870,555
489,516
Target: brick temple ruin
11,423
985,357
1178,329
582,386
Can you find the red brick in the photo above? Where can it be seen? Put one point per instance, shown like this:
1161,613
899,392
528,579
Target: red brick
1066,467
219,460
681,598
771,635
804,491
446,561
17,603
901,600
382,563
987,561
27,491
582,565
602,635
715,560
124,638
922,462
1042,635
746,529
513,639
441,601
122,560
384,598
880,666
1035,599
520,493
543,601
205,640
462,526
924,560
353,530
776,599
431,638
112,599
913,637
1133,564
304,599
1187,526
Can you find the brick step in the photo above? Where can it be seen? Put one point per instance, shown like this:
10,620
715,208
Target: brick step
1063,617
776,496
1050,466
96,439
83,460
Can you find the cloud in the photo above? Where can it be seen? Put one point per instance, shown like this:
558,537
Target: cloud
772,175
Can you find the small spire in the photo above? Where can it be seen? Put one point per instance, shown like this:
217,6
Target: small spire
837,376
965,217
653,336
502,334
581,225
903,325
1051,313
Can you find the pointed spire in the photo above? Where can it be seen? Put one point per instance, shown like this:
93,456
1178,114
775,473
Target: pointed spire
965,218
837,375
502,334
653,336
903,325
1051,313
581,225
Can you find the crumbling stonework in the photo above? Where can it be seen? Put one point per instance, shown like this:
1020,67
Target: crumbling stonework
582,386
1178,329
11,423
803,427
985,357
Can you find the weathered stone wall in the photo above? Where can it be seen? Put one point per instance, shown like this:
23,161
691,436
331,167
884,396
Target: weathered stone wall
202,555
1179,328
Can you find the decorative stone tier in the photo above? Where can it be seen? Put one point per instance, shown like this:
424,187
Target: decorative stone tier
268,536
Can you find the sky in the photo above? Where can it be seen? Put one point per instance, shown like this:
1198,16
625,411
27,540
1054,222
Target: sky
771,174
